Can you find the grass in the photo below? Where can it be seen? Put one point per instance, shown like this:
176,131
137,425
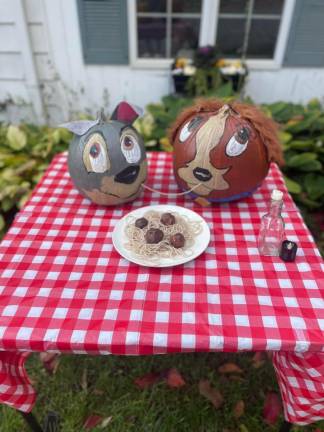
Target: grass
85,385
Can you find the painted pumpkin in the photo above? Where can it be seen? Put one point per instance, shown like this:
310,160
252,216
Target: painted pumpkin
223,152
107,159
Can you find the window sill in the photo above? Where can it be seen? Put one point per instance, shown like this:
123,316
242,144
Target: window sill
165,64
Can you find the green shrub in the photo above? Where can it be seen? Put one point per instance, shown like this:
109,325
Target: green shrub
25,153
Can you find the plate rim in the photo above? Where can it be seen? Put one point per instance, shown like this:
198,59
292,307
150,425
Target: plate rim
163,265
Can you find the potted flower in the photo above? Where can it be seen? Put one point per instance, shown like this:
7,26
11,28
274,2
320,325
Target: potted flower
233,71
182,70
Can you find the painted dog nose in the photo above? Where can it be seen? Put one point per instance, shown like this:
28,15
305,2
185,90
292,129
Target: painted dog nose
128,175
202,174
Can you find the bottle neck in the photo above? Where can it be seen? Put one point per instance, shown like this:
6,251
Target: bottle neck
275,207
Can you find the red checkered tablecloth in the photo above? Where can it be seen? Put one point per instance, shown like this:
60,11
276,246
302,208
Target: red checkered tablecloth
63,287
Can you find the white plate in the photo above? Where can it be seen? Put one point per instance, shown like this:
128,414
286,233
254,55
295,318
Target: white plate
201,240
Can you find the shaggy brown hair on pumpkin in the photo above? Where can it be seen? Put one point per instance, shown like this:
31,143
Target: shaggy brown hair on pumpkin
266,127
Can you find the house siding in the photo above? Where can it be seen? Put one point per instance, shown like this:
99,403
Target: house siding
69,86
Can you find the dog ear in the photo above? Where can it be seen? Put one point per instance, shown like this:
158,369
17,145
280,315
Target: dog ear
126,113
79,127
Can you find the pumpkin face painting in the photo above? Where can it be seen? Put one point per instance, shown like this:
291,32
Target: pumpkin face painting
221,152
107,159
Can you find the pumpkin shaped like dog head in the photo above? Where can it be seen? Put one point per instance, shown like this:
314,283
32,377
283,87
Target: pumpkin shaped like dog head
223,151
107,158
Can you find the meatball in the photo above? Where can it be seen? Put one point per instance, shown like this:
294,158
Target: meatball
153,235
168,219
177,240
141,223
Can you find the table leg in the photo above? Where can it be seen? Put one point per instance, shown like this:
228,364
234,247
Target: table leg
32,422
285,427
51,423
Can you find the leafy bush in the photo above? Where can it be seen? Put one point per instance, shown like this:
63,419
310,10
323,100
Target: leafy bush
25,153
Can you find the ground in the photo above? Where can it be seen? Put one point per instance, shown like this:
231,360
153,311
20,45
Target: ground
83,386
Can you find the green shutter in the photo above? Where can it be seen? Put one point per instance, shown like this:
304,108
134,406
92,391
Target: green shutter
305,45
103,25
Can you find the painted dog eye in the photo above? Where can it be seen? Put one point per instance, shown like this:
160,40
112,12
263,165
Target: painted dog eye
95,155
238,143
130,146
189,127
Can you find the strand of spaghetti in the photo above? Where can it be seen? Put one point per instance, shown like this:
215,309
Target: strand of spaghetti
171,193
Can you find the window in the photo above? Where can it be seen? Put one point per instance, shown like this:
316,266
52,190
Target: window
248,28
254,29
165,27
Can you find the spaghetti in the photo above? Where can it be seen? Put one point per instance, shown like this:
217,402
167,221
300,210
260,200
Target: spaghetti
137,243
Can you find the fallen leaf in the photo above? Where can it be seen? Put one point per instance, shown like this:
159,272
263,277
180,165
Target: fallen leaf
147,380
50,361
174,379
229,368
213,395
105,422
92,421
238,410
258,360
272,408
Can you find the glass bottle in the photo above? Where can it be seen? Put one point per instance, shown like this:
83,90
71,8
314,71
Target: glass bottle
272,227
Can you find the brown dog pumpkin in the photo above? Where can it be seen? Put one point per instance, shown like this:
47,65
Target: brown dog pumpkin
222,152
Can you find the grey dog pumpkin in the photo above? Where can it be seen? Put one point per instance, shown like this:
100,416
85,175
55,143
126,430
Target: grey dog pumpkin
107,159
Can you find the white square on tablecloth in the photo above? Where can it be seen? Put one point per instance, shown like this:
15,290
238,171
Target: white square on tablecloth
242,320
24,333
261,283
143,277
216,342
239,298
244,343
189,279
51,335
139,294
284,283
132,338
212,280
256,266
269,321
9,310
68,293
53,275
111,314
7,273
265,300
164,296
35,312
97,277
214,319
136,315
116,294
188,318
85,313
213,298
297,323
188,297
165,278
20,291
162,317
310,284
160,339
273,345
105,337
92,294
291,302
78,336
60,313
188,341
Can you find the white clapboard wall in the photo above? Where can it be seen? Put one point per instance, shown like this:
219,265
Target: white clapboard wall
43,77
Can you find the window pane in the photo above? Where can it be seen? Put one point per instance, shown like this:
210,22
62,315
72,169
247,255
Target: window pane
185,33
230,36
233,6
151,5
268,7
151,37
263,37
186,6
